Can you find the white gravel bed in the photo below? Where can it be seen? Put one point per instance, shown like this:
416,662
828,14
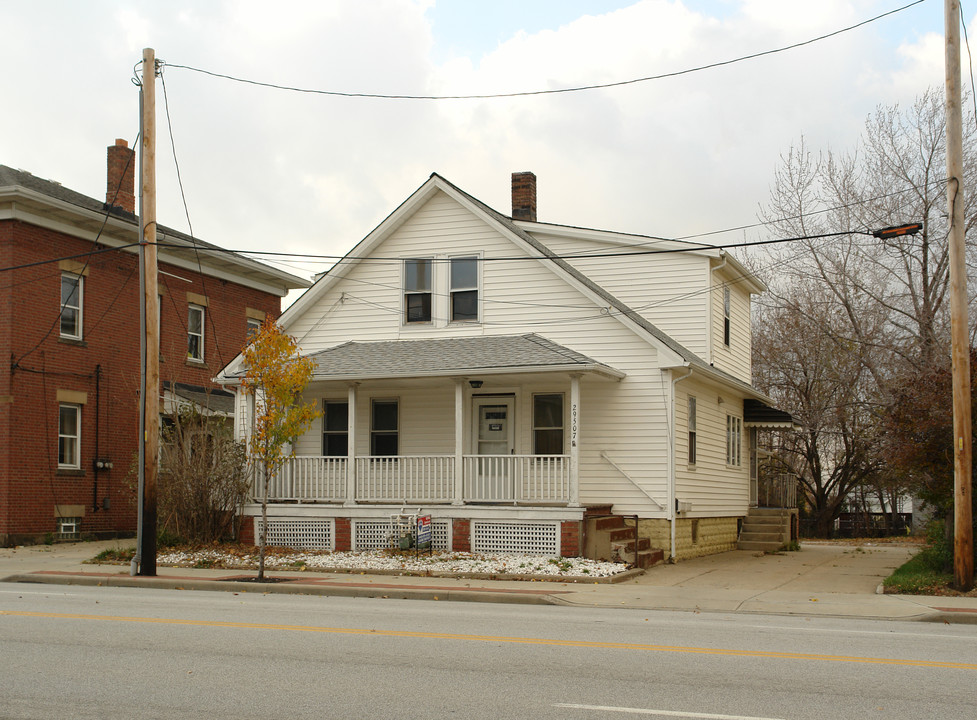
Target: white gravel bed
438,562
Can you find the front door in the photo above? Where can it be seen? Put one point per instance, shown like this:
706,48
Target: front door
494,438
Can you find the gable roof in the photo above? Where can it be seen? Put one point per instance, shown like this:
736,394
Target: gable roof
673,353
36,196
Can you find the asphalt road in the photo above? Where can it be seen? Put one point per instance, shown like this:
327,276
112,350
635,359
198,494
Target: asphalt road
88,652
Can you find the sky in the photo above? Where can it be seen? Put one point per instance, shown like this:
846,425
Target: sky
307,173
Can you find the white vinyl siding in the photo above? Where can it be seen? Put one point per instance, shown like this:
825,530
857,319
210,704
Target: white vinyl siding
714,488
626,420
733,358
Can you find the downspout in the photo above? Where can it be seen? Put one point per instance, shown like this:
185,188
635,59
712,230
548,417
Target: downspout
671,460
720,266
97,465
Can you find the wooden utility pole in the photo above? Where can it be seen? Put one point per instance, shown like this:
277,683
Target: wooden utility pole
150,312
963,533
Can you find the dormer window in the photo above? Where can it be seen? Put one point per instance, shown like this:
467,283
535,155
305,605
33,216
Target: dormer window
464,289
417,290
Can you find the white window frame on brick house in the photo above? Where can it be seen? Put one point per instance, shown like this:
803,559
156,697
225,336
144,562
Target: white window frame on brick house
416,290
462,288
734,441
200,311
69,439
68,308
253,326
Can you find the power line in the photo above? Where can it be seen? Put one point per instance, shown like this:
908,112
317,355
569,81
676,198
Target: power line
580,88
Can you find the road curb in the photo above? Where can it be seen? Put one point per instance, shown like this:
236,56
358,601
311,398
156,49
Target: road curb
289,587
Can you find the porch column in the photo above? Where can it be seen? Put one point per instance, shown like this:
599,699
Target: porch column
351,445
459,441
574,441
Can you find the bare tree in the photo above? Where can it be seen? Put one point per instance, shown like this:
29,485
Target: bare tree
827,389
880,303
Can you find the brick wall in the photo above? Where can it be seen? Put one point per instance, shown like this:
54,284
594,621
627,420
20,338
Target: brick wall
570,538
461,535
30,483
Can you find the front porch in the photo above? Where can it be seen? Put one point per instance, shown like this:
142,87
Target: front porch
425,480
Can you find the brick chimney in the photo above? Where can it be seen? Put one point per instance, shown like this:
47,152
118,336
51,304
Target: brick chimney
524,196
120,188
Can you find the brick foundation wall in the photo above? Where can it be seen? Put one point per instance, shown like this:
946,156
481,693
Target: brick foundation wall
246,535
30,483
461,535
570,533
694,537
344,535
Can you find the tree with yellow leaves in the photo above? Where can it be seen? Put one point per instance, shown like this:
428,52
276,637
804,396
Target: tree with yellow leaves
277,375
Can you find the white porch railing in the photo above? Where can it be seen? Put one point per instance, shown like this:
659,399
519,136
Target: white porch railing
517,478
425,479
410,478
306,479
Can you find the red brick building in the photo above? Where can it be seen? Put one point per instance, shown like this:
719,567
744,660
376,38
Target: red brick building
69,343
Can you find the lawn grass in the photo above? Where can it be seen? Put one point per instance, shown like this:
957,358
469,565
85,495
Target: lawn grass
919,576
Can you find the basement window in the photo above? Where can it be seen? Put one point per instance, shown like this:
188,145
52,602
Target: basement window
69,528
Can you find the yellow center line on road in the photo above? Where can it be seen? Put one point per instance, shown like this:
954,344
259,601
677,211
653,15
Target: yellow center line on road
501,639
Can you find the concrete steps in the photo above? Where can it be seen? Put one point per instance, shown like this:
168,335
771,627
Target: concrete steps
765,529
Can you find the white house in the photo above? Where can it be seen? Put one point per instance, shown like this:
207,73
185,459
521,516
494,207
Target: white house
511,377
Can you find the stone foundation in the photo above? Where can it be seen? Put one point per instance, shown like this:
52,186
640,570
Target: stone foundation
694,537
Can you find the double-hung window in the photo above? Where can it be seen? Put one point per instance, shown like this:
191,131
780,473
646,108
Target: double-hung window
384,427
548,424
69,436
335,428
417,290
71,289
464,289
195,333
254,326
691,424
734,440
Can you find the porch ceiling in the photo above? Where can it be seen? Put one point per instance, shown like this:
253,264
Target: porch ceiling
452,357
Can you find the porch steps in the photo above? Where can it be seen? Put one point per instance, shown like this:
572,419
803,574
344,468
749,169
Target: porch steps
610,537
765,529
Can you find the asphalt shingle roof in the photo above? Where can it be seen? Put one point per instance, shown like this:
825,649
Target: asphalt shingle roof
406,358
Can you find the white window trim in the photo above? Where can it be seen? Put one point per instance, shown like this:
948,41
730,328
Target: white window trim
201,335
405,292
75,463
727,317
693,436
563,419
395,401
734,441
81,301
477,257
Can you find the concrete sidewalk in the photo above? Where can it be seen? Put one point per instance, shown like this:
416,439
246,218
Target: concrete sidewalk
820,580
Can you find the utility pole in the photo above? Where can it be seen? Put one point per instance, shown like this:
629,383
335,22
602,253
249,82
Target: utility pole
149,442
963,529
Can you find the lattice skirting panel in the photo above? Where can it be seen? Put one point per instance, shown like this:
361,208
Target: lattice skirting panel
523,538
374,534
299,534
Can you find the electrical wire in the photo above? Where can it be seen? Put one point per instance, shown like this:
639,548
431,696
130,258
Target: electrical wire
970,60
88,257
186,210
555,91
